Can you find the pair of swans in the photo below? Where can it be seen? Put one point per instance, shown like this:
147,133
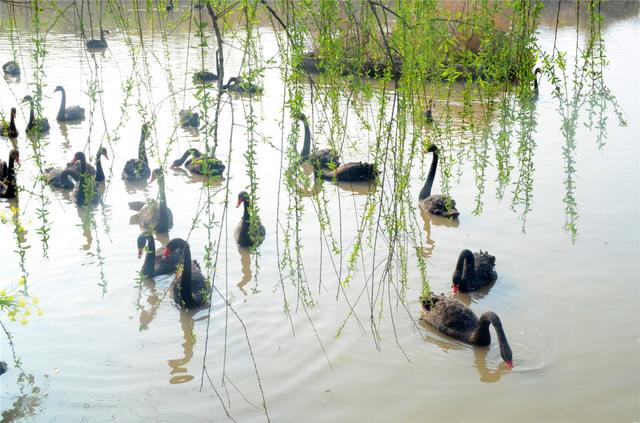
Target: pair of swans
67,178
326,161
190,288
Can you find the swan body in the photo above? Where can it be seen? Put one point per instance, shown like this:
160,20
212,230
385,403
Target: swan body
239,86
9,129
100,44
324,158
62,178
189,119
452,318
11,68
155,215
473,271
242,233
8,175
40,125
439,205
204,77
190,288
86,191
65,113
138,169
156,262
196,162
351,172
536,82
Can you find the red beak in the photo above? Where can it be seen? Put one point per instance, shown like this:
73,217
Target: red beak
454,289
239,202
139,253
509,364
153,178
106,155
167,253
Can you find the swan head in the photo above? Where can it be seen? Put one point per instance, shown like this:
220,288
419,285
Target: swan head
79,157
174,245
58,88
243,197
15,155
27,99
432,148
156,174
537,71
102,151
13,112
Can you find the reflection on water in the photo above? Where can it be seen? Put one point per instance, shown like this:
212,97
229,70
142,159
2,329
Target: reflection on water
30,400
245,261
179,371
428,219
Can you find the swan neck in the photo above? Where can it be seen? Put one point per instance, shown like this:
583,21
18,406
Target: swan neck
182,159
245,215
63,105
465,270
426,189
185,281
99,171
306,146
142,149
163,219
32,117
150,257
491,318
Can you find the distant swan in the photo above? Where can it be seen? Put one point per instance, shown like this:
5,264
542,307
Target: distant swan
160,262
243,234
67,113
11,68
40,125
439,205
351,172
9,129
195,161
138,169
8,175
155,215
325,157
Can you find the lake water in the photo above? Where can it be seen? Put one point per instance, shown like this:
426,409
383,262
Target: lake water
110,348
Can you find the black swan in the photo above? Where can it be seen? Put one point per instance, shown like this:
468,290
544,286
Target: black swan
199,164
428,114
456,320
8,175
323,157
40,125
11,68
204,77
3,367
9,129
62,178
243,235
536,83
189,119
156,262
68,113
97,171
138,169
351,172
100,44
155,215
473,271
439,205
190,288
239,86
86,191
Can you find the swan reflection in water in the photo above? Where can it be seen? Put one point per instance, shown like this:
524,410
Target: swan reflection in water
179,372
245,261
487,375
428,220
